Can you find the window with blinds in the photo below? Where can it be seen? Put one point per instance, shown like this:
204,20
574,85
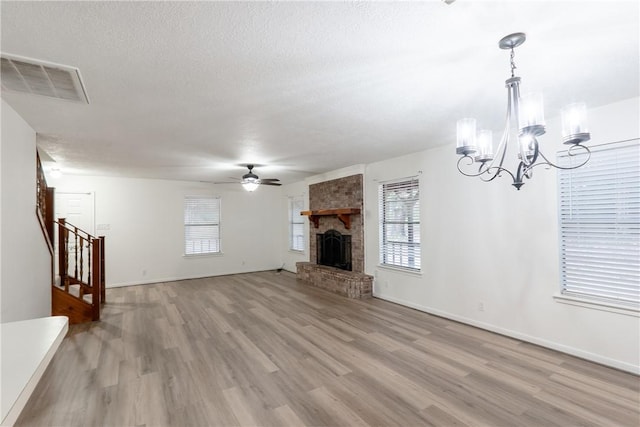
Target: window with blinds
599,209
201,225
296,223
399,207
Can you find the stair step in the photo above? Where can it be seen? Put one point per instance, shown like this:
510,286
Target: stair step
75,291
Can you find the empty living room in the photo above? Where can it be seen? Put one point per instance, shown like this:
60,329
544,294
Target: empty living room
320,213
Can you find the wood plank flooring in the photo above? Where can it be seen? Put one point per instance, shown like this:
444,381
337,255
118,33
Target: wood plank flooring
261,349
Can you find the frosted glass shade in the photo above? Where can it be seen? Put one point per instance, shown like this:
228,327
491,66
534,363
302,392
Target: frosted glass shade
574,124
531,114
484,141
527,145
466,136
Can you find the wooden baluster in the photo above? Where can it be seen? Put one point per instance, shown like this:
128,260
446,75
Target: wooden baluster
80,277
75,272
89,244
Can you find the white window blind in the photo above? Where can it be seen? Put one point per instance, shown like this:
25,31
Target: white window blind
599,213
201,225
399,207
296,223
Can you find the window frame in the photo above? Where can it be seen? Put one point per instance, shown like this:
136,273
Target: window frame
217,215
296,219
413,253
587,261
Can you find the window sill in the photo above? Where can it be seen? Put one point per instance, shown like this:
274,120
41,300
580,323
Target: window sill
417,273
207,255
597,305
296,251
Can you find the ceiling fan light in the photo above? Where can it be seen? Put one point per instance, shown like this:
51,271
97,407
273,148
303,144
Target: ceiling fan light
250,184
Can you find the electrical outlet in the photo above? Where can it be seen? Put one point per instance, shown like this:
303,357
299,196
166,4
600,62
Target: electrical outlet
480,306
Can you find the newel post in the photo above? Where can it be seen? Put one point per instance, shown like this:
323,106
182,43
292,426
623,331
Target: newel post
103,280
96,278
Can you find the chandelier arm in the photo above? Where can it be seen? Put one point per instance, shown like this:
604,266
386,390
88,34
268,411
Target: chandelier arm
570,152
536,152
502,147
515,87
470,163
499,170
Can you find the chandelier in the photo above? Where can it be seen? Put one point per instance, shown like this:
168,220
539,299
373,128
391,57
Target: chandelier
527,111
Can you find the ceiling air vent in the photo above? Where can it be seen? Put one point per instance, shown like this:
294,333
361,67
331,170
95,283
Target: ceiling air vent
29,75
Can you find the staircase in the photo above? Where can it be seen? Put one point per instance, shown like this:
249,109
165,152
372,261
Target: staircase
81,288
78,288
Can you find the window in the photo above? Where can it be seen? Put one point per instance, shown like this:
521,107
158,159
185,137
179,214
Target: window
399,206
201,225
296,224
599,210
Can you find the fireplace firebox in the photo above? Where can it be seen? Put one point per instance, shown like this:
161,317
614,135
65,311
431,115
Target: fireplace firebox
334,249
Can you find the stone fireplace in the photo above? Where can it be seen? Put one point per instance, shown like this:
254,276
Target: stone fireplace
335,208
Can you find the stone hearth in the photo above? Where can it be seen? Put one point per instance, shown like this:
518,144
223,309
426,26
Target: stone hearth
345,283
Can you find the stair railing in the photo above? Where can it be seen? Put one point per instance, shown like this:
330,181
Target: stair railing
44,209
81,262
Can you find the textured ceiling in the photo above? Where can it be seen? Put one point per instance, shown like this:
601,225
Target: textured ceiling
189,90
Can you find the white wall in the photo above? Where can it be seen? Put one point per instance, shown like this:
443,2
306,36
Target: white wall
25,272
145,239
486,243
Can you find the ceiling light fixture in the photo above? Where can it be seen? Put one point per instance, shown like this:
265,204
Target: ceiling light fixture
527,111
250,184
250,181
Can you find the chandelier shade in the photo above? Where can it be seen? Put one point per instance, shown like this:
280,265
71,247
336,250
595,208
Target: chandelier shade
527,112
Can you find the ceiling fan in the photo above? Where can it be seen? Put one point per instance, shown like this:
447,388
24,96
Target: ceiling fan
250,181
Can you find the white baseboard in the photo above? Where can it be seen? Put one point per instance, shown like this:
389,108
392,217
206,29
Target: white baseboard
623,366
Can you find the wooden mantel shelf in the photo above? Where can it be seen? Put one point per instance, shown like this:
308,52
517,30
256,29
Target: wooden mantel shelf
343,214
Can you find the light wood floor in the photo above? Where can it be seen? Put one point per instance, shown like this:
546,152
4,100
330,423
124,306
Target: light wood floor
261,349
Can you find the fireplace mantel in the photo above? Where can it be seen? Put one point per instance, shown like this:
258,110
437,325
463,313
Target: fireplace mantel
343,214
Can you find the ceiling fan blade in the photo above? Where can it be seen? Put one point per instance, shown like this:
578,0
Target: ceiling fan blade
269,179
223,182
270,183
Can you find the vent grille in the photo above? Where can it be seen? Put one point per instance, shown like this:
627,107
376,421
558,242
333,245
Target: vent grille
28,75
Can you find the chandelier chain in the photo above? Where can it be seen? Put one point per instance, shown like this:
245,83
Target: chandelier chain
513,63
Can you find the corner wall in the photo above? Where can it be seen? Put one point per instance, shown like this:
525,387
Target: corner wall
25,262
490,253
